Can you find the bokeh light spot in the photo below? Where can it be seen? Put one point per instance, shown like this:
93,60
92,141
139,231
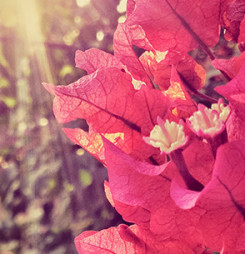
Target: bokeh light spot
43,121
121,19
22,126
100,36
78,20
80,152
71,37
82,3
121,8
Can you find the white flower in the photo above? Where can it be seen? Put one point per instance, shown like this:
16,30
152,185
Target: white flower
168,136
208,123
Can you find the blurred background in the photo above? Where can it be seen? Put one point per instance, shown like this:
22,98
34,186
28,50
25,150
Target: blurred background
50,189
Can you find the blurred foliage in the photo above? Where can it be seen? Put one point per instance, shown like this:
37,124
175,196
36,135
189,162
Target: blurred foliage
47,183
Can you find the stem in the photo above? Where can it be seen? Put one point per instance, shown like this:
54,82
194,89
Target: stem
214,146
206,97
190,181
226,75
218,141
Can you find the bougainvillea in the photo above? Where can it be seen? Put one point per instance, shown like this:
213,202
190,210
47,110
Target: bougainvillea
176,167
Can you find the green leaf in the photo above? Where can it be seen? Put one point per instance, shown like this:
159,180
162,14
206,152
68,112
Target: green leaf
85,177
66,69
69,187
9,101
52,184
4,83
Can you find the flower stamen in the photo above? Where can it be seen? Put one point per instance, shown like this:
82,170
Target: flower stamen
168,136
223,111
206,122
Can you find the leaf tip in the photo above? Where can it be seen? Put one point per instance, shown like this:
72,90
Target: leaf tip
49,87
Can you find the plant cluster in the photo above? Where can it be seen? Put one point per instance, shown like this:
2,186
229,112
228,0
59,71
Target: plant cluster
175,156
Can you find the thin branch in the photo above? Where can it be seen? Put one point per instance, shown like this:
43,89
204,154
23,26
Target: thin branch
191,89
